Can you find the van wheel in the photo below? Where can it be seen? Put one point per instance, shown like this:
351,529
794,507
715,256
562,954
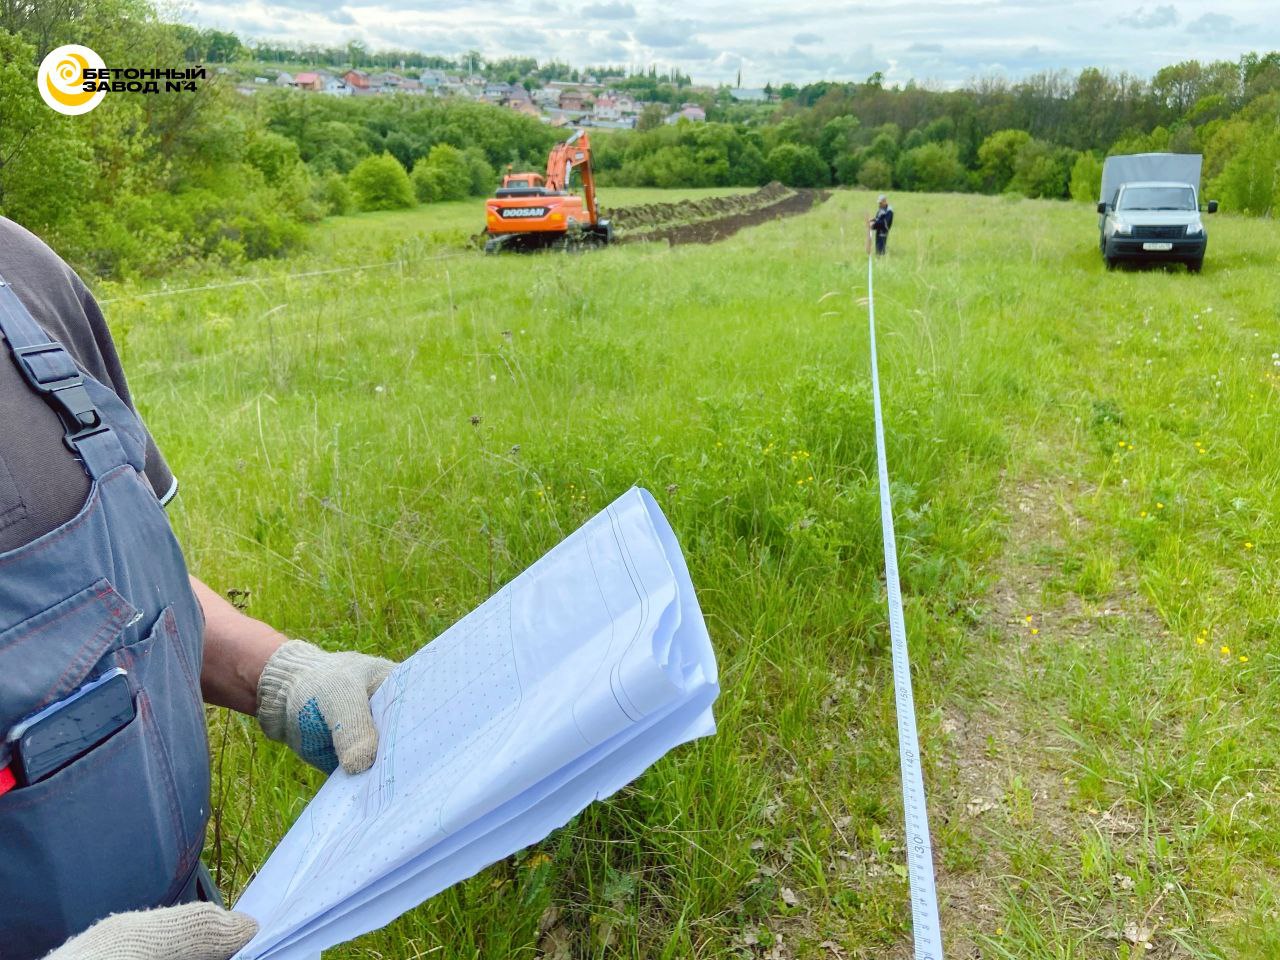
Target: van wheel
1195,266
1110,262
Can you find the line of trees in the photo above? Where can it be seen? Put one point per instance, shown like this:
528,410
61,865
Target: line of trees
1042,137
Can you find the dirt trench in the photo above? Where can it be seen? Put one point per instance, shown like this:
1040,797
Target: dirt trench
713,219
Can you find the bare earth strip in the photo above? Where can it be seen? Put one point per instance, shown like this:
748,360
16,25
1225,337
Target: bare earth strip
1009,808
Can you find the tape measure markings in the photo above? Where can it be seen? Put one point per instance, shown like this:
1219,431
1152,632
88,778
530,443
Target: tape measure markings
926,929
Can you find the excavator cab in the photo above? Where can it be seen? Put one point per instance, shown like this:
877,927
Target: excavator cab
521,184
535,212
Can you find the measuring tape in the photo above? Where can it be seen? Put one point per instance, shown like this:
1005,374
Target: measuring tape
926,930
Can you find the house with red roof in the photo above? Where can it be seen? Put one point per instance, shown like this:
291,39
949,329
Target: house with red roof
357,80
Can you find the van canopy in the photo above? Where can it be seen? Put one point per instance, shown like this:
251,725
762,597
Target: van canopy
1150,167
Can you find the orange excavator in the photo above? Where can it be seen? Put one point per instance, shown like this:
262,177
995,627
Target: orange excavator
535,212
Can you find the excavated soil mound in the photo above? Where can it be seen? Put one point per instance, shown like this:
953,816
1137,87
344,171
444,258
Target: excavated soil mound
646,216
707,221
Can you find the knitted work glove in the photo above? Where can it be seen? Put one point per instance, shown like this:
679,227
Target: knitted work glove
193,931
318,703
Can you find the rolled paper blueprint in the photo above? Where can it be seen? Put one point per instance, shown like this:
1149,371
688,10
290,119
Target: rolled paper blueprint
558,690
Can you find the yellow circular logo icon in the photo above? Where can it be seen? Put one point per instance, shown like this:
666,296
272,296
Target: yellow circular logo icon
61,79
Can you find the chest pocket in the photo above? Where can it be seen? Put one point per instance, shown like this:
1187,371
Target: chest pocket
74,635
120,828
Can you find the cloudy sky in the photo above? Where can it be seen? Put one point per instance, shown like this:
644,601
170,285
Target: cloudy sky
943,41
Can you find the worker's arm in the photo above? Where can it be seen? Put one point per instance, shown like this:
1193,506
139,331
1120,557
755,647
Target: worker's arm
315,701
236,649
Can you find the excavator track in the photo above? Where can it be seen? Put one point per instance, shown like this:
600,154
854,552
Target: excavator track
574,240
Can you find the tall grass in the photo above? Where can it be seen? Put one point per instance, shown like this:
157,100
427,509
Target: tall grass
370,455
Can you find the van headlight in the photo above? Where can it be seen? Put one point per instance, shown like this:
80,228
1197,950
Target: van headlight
1195,229
1124,229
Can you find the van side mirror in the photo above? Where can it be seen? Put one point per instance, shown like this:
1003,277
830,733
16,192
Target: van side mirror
1213,206
1102,207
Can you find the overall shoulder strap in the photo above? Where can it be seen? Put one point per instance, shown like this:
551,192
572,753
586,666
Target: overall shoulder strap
52,373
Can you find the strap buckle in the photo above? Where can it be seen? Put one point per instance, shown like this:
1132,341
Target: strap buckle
51,372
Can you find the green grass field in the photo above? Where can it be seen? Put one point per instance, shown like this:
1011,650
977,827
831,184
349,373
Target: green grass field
1085,480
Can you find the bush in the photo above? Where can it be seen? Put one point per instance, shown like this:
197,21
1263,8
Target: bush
380,183
748,167
276,157
1038,172
932,168
1086,178
429,183
483,177
261,234
334,195
875,174
798,166
443,174
998,155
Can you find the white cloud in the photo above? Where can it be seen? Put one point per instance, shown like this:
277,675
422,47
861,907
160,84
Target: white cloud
665,33
609,11
1211,24
948,41
1153,19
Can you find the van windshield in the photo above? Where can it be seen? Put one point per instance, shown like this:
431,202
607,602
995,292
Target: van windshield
1158,198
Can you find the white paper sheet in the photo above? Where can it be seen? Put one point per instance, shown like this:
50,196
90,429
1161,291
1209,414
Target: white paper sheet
557,691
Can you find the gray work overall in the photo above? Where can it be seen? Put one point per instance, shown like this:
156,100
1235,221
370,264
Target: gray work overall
121,828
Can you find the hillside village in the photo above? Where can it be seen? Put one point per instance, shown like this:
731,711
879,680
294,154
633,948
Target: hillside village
589,102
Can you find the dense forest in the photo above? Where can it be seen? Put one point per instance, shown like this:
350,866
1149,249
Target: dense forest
147,181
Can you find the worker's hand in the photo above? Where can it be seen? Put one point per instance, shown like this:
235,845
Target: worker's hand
193,931
318,703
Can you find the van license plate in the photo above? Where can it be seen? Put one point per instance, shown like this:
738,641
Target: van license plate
1157,246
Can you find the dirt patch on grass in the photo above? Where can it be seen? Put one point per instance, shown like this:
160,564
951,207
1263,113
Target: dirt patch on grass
1010,774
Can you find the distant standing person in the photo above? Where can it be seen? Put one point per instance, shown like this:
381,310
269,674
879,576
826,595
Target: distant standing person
881,223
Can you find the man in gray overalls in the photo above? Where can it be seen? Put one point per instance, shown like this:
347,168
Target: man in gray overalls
92,582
